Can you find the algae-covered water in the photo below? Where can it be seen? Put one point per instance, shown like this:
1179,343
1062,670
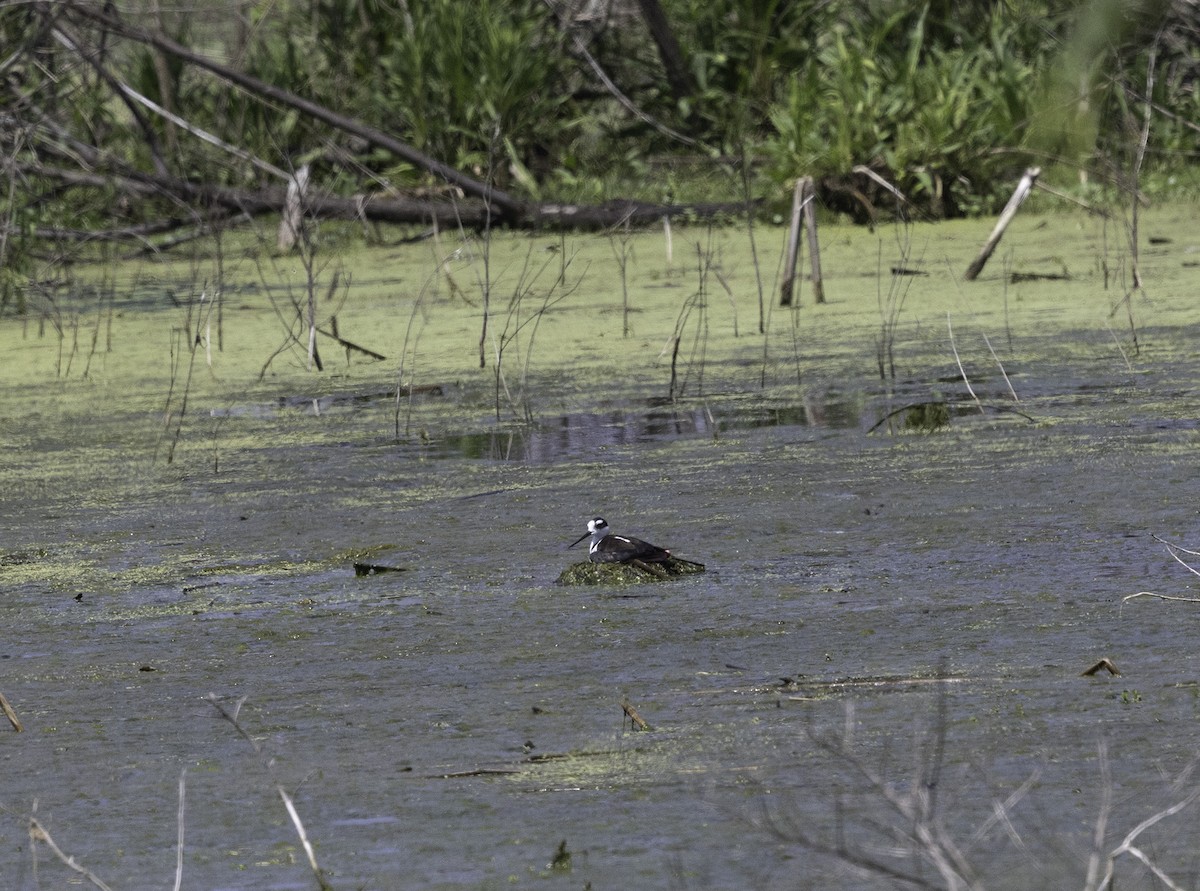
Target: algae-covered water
887,609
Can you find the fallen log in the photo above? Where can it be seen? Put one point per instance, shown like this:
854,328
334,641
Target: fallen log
470,214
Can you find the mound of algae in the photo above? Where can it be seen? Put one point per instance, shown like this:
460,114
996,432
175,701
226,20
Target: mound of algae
634,573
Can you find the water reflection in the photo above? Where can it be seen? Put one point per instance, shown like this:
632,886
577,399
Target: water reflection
578,435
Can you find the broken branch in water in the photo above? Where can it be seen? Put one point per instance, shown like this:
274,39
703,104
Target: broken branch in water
1104,664
635,720
11,714
1174,550
1129,597
350,345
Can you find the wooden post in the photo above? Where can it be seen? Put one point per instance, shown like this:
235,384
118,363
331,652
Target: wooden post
1024,187
803,216
793,244
814,246
293,209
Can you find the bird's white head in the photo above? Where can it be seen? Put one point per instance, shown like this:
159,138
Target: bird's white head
597,529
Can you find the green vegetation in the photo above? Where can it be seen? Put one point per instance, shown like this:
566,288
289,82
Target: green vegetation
122,128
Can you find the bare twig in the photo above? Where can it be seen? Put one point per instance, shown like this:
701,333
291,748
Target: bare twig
1127,847
1129,597
179,821
916,826
1093,868
627,103
1002,371
1174,547
1001,811
962,370
1174,550
404,353
1121,349
38,833
1139,157
231,715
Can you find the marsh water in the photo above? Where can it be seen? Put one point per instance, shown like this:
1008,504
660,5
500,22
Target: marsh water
888,608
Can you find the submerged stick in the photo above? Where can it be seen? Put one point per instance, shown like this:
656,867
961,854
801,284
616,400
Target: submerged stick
1024,187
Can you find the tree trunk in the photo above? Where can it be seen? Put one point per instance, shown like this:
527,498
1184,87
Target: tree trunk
668,49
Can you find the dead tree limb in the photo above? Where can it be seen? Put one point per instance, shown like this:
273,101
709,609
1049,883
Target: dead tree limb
1024,187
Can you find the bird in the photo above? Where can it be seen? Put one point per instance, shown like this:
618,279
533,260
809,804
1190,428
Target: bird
606,547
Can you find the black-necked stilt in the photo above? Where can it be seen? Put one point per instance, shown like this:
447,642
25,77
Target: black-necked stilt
606,547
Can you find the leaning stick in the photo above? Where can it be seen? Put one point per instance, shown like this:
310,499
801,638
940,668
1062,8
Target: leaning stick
962,370
10,714
1024,187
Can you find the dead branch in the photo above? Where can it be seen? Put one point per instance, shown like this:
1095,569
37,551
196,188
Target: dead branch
1174,550
635,720
38,833
1127,845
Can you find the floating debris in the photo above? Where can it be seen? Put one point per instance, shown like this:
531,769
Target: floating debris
1017,277
376,568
